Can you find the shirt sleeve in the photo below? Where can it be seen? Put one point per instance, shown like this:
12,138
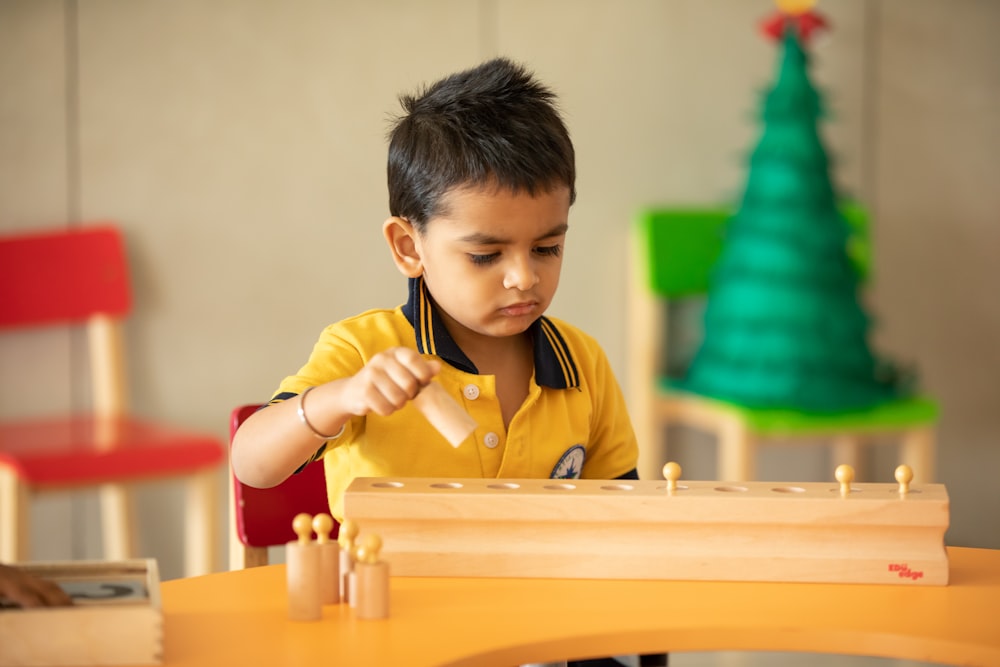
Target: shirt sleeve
612,451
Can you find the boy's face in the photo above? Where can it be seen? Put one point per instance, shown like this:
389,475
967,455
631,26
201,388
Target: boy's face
492,260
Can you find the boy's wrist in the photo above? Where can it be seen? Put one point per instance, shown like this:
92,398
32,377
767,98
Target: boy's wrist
308,424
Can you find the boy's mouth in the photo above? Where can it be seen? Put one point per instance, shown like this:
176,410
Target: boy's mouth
518,309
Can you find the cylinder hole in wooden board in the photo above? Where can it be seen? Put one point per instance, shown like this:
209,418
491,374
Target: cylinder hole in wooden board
732,489
447,485
560,487
680,487
505,486
854,489
617,487
788,489
388,485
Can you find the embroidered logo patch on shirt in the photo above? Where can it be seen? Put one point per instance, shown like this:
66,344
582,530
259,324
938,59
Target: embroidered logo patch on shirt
570,464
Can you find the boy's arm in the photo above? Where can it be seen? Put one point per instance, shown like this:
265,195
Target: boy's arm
273,443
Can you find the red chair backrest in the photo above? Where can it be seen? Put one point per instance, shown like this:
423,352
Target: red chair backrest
62,276
264,516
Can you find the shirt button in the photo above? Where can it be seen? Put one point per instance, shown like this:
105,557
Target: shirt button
471,392
491,440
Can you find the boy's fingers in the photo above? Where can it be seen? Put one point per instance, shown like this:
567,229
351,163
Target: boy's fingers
422,369
395,377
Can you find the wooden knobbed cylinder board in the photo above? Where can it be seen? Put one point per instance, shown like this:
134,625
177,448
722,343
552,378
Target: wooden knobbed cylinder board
598,529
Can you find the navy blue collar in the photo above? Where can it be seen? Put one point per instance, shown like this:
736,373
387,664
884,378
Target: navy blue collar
554,365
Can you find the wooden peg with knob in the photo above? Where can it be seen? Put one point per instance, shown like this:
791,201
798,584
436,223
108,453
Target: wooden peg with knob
329,559
372,580
904,475
348,533
302,566
845,475
671,473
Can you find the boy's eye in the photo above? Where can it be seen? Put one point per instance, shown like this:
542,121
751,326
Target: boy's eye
482,260
549,251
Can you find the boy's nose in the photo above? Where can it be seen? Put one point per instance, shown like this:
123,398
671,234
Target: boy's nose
520,275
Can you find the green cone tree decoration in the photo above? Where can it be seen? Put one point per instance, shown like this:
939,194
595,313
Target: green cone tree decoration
783,324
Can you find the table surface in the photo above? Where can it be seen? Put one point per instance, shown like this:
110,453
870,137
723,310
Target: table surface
239,618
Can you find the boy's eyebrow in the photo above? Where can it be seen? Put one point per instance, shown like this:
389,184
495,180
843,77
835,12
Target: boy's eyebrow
482,238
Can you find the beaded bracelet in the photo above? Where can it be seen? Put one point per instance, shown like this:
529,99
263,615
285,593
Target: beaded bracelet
305,420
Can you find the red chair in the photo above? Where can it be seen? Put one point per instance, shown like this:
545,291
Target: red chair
262,518
67,278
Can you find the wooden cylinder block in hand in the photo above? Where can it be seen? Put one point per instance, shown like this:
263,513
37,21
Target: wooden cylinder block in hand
445,414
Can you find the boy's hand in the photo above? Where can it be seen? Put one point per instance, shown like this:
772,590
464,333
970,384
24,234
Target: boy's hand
389,381
26,590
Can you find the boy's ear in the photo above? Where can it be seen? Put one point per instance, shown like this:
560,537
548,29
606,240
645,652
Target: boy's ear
404,246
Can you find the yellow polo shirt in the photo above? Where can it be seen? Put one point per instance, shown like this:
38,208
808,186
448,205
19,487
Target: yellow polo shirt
572,424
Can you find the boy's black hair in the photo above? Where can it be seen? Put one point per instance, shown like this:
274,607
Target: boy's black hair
492,125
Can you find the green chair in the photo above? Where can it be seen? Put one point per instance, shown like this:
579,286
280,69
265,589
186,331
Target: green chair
673,251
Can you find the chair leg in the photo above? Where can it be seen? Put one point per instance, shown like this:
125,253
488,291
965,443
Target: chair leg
917,451
200,524
254,556
237,555
237,560
117,519
14,508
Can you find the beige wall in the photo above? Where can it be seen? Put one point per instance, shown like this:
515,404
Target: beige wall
240,143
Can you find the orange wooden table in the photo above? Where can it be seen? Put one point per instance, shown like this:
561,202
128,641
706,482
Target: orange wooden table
239,618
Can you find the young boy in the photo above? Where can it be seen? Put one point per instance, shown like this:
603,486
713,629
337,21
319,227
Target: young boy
481,178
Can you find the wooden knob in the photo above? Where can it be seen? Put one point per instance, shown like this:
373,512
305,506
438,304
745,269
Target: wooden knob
671,473
904,475
322,525
348,532
370,548
302,525
844,475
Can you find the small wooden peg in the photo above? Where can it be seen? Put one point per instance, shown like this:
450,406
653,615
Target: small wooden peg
329,556
904,475
671,473
845,475
372,580
348,533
